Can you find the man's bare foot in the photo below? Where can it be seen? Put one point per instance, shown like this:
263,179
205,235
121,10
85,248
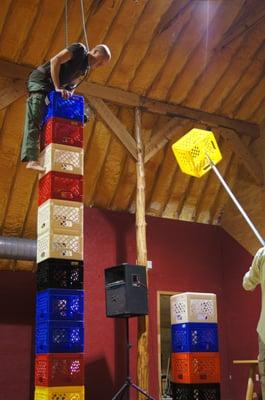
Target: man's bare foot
35,165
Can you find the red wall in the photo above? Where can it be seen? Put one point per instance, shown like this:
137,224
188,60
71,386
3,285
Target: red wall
241,315
17,298
185,256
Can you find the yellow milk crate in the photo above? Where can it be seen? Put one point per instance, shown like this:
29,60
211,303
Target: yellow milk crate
60,393
62,158
68,247
192,149
60,216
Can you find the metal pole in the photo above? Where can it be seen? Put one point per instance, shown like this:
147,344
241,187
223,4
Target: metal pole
13,248
227,188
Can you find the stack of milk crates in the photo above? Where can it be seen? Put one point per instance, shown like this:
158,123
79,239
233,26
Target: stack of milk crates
59,364
195,361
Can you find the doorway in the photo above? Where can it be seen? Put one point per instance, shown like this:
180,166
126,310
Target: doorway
164,342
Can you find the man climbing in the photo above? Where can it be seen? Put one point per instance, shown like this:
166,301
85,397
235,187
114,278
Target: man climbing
62,73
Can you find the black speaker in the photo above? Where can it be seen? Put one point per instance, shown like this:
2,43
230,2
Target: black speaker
126,291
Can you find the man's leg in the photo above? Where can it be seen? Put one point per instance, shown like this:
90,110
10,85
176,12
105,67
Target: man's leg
262,366
33,119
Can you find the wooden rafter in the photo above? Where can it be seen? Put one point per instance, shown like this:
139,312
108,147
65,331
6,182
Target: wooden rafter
114,124
221,196
174,127
130,99
96,160
207,200
12,92
244,24
14,71
113,95
175,110
243,154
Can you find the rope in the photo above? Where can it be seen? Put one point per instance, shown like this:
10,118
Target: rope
66,23
83,22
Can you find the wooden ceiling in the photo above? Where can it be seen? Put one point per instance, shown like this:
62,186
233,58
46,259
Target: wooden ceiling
206,56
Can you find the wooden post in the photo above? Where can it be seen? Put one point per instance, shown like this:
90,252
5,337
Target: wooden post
142,357
140,194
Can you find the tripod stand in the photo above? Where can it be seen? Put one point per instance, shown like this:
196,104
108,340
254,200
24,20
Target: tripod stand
125,388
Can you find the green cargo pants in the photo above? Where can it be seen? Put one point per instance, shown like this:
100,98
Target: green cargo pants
34,113
35,108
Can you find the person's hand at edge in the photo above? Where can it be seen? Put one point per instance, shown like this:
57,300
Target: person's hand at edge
66,94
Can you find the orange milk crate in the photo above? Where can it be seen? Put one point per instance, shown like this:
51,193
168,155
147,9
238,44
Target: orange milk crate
59,369
195,367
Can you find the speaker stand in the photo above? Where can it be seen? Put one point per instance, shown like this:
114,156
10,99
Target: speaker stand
125,388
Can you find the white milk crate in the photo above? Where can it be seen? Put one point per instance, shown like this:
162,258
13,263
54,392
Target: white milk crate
69,247
193,307
60,216
62,158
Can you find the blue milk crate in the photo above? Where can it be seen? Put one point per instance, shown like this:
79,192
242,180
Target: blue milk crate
72,108
194,337
60,304
59,337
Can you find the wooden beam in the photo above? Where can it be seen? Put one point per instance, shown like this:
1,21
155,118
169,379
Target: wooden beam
118,96
243,154
163,108
174,110
244,24
142,356
15,71
12,92
252,199
114,124
174,127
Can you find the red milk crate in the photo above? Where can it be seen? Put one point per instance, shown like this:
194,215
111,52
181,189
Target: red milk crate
59,369
61,186
62,131
195,367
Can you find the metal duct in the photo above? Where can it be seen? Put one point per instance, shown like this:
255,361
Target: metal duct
18,248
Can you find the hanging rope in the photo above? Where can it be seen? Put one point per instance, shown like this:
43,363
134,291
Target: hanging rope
83,22
66,23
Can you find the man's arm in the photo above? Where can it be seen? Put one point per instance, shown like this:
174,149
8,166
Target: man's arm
73,85
252,278
56,62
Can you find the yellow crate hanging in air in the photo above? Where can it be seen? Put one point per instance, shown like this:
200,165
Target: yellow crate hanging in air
192,149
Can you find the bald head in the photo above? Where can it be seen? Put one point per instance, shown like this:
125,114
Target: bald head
99,55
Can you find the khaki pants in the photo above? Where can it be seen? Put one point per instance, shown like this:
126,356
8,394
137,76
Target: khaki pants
262,366
34,114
